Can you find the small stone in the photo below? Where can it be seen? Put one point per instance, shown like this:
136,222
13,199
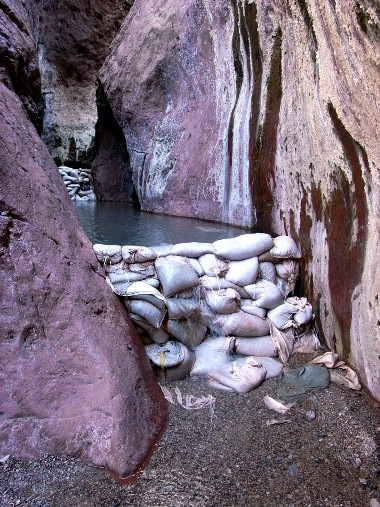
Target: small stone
358,462
310,415
363,481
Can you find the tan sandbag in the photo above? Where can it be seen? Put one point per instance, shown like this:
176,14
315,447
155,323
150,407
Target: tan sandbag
247,305
284,340
224,301
125,276
162,250
211,354
180,371
284,247
196,265
143,268
269,257
243,247
189,332
192,249
267,271
241,324
273,366
153,315
181,308
241,375
107,254
304,313
212,265
159,335
132,254
282,315
175,274
265,294
261,346
145,292
243,272
169,355
214,283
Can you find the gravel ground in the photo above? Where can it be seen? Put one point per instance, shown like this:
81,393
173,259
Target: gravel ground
235,459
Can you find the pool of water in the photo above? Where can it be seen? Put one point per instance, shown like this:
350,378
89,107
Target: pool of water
122,224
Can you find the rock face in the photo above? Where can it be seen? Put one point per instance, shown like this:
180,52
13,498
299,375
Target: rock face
74,376
265,114
72,38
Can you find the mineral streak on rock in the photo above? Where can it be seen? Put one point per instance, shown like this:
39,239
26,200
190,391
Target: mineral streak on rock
74,376
225,108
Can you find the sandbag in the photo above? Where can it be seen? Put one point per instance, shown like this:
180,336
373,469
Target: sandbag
247,305
168,355
241,324
119,288
214,283
180,371
108,254
273,366
196,265
223,301
243,272
211,355
241,375
287,273
156,335
132,254
180,308
115,268
193,249
125,276
212,265
243,247
145,292
153,315
304,313
189,332
282,315
265,294
175,274
162,250
267,271
154,282
284,341
284,247
143,268
269,257
261,346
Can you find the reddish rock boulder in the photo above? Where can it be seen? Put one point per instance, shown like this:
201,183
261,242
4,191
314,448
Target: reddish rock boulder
74,376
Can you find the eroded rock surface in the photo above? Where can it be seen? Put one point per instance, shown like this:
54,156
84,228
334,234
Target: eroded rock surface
265,114
74,376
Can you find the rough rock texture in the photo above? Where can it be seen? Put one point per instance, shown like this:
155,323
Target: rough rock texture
74,378
265,114
72,38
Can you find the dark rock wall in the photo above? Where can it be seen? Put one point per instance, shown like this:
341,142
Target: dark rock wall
73,38
265,114
74,376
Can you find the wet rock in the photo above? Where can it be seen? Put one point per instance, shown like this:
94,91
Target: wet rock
75,378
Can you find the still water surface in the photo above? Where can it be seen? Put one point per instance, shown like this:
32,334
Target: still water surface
122,224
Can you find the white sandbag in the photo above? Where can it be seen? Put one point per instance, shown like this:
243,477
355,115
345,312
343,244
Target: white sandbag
265,294
284,341
162,250
120,288
241,375
115,268
181,308
193,293
243,247
189,332
215,283
211,355
287,273
304,313
180,371
175,274
247,305
168,355
144,268
223,301
193,249
125,276
154,282
260,346
241,324
108,254
212,265
243,272
272,366
145,292
267,271
284,247
132,254
196,265
269,257
153,315
282,315
159,335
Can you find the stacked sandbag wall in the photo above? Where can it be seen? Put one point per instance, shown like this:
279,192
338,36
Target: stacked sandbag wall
196,303
79,183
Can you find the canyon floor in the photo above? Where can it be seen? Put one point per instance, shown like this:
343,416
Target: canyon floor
230,457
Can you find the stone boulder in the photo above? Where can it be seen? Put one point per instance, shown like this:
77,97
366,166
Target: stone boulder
75,379
265,114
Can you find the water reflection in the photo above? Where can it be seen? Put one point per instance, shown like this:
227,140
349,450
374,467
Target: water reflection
122,224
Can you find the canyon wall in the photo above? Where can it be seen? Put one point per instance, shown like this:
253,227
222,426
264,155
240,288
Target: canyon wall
74,377
265,114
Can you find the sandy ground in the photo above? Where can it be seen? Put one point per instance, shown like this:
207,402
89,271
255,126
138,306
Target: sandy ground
231,459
